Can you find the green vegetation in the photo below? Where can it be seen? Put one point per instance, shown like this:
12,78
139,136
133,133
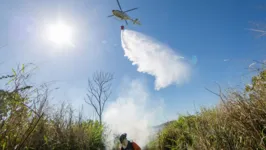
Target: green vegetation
239,122
27,122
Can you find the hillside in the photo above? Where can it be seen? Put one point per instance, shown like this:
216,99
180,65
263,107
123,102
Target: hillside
238,122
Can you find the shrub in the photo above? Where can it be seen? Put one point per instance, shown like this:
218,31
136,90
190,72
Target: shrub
237,123
27,123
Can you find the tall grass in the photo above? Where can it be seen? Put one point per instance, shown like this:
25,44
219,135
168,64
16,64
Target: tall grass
239,122
27,121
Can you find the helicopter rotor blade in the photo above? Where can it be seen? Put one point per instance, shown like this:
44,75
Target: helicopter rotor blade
119,5
131,9
110,16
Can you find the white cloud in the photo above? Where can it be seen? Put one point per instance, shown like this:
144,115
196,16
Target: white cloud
134,112
155,59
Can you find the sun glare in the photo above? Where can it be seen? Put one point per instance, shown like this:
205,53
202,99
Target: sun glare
60,34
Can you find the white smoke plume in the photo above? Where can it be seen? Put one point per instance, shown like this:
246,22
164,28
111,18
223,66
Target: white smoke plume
133,113
155,59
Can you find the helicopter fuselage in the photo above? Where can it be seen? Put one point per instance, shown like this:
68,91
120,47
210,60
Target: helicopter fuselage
121,15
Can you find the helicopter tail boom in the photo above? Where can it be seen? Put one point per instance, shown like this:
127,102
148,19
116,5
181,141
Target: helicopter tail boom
136,21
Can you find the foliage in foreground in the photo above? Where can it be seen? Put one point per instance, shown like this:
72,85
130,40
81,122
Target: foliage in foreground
26,121
239,122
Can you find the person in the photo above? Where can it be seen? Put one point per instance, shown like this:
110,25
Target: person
127,145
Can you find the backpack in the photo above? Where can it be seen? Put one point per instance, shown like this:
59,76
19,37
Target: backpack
129,146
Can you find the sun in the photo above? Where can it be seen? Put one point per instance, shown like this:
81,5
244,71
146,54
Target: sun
60,33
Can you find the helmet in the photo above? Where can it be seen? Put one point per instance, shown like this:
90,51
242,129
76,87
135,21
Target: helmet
122,137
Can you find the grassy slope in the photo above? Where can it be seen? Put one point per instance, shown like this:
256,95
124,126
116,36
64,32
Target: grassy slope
237,123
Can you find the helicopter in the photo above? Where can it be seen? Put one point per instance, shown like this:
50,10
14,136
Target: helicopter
122,15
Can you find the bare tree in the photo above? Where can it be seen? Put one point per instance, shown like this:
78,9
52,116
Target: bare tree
99,91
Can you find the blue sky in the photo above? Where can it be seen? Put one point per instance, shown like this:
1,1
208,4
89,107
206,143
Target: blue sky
210,30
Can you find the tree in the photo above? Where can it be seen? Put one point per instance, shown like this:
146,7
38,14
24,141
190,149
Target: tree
99,91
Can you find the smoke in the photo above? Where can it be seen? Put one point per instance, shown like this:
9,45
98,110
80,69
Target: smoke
155,59
133,113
